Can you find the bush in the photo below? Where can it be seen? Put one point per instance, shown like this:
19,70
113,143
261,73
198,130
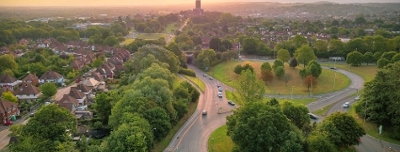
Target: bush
187,72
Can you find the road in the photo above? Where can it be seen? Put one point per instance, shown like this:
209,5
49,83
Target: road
368,143
194,134
171,36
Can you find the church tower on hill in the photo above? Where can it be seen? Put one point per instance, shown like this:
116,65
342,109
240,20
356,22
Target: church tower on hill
198,10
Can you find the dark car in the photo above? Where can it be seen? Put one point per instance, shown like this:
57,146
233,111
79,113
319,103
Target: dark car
100,133
231,103
313,116
218,85
220,89
333,68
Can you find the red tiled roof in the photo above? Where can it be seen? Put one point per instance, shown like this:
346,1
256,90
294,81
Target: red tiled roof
67,101
27,88
30,77
74,92
51,75
4,105
7,79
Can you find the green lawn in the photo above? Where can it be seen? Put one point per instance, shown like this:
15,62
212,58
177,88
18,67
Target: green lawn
304,101
171,28
177,81
367,72
328,81
197,81
151,36
127,41
372,128
219,141
322,112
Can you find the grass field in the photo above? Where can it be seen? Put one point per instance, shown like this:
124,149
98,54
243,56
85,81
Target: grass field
326,81
367,72
304,101
219,141
197,81
151,36
177,81
127,41
171,28
322,112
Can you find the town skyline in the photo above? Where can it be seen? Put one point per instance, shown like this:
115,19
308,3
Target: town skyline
165,2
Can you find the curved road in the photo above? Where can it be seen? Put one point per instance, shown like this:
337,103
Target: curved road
193,136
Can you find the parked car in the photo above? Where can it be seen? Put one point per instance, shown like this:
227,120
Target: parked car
313,116
346,105
220,94
204,112
231,103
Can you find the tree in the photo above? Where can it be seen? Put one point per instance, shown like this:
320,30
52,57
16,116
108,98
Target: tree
286,78
249,88
299,41
111,41
279,72
247,67
250,46
48,89
210,54
314,68
9,96
160,53
7,62
266,66
354,58
305,54
293,63
310,82
103,106
50,128
296,113
215,43
382,101
97,62
342,129
159,120
369,57
319,142
277,63
267,76
283,55
382,62
258,127
134,135
238,69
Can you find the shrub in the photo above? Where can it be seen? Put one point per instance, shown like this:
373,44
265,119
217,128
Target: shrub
187,72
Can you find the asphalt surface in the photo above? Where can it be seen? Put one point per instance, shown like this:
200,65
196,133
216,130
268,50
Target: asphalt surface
193,136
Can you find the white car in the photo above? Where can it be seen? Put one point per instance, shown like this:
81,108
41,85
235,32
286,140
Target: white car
220,94
346,105
204,112
357,98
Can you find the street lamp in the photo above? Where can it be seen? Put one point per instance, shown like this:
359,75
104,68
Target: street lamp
291,95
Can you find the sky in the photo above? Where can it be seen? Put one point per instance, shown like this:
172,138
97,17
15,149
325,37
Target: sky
154,2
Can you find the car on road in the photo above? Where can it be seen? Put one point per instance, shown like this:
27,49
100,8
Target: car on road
313,116
220,89
219,85
204,112
210,78
32,114
333,68
231,103
357,98
346,105
220,94
204,75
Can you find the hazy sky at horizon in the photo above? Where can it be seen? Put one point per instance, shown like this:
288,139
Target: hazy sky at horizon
155,2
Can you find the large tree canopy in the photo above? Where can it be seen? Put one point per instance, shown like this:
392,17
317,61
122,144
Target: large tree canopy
249,88
257,127
304,54
381,99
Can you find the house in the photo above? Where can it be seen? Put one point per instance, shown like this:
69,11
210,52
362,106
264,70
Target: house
78,95
106,71
77,65
68,102
85,90
27,92
7,109
8,81
96,76
51,76
31,78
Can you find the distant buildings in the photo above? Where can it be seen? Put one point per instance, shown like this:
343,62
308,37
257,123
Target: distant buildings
198,10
